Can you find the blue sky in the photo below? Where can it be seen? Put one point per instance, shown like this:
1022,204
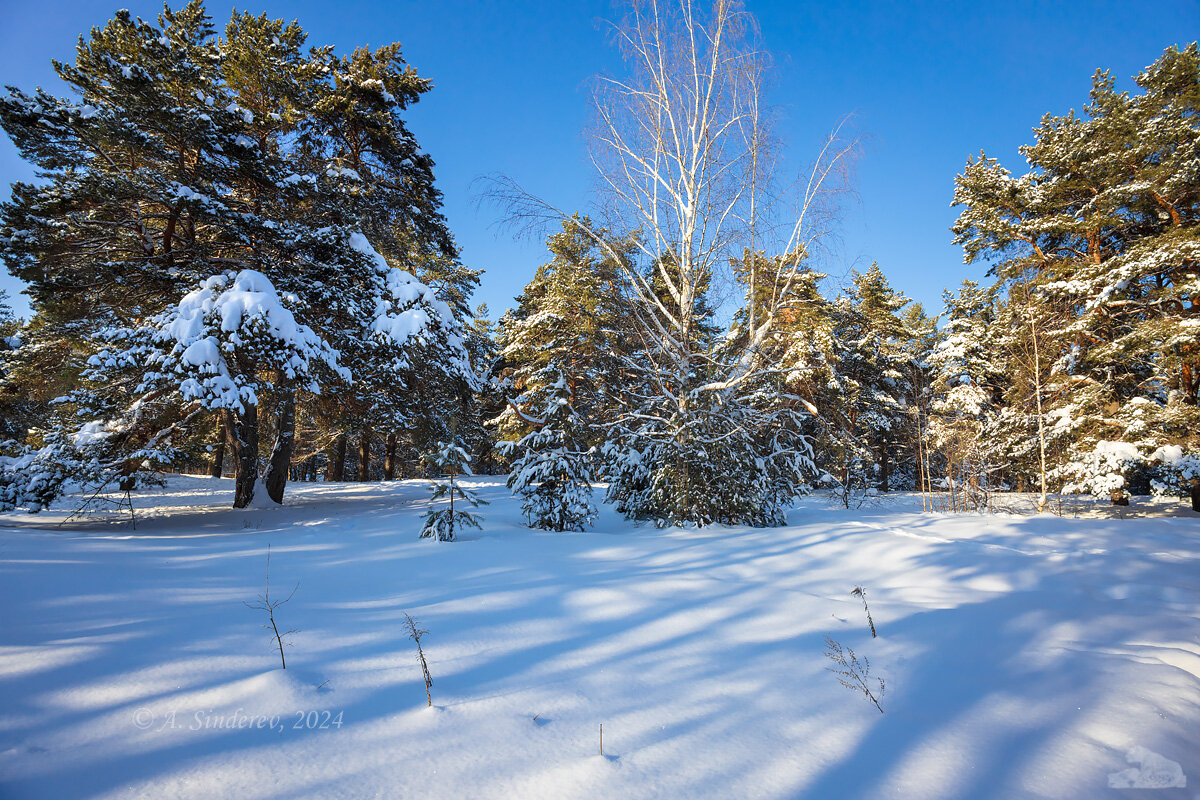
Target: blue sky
927,83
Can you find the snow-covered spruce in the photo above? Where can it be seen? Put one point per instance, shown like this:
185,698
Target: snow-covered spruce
552,470
442,523
743,461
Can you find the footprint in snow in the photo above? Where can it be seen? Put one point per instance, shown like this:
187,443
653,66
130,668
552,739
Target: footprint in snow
1154,771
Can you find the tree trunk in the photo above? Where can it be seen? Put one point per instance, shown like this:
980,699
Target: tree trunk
884,467
276,476
216,469
337,460
128,482
364,455
1037,388
218,460
1195,494
389,458
245,434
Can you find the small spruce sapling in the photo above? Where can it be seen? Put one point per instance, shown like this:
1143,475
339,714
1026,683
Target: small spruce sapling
862,593
442,524
415,634
852,673
266,604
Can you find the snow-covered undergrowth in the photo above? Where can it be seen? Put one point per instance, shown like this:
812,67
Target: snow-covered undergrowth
1024,657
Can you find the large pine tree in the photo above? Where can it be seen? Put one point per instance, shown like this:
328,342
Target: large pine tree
1097,250
217,196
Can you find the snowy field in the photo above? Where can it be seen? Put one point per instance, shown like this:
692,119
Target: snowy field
1023,657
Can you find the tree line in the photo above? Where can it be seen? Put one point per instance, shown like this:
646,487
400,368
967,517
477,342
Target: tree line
238,262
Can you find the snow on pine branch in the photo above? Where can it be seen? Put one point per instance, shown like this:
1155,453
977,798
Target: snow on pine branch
408,312
201,343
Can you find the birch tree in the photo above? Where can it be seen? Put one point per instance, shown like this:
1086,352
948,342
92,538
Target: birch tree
684,154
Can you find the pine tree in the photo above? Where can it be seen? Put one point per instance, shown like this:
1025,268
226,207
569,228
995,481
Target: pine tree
552,471
571,320
449,461
870,367
234,176
1103,233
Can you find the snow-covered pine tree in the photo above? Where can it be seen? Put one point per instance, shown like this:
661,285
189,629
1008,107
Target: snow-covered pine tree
147,92
552,467
1102,231
571,319
399,399
449,461
227,179
867,414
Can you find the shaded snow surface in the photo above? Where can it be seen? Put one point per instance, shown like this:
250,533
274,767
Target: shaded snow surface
1023,657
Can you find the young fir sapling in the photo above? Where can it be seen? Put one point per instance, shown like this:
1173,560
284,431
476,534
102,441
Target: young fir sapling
442,523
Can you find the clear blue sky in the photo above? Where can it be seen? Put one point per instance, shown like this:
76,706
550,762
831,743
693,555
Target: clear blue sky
928,84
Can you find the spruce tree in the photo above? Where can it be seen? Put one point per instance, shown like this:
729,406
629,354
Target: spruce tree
552,469
869,372
961,438
742,453
449,461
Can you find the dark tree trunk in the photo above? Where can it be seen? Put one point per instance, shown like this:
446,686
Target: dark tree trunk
1195,494
216,469
245,435
128,482
884,467
337,459
389,458
364,455
281,454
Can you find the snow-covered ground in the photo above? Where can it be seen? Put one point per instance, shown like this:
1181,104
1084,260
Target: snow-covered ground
1023,657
